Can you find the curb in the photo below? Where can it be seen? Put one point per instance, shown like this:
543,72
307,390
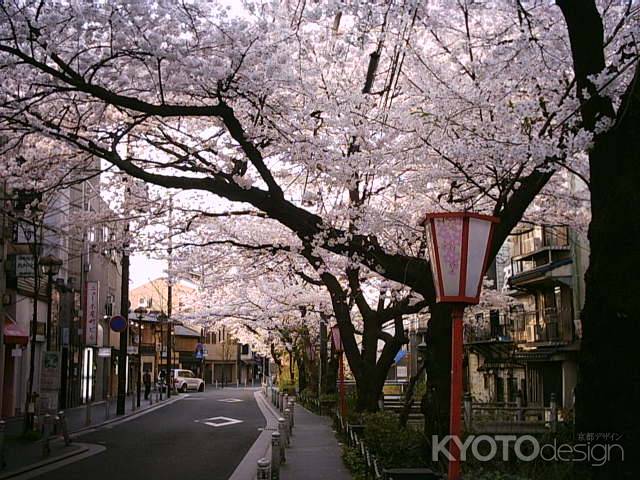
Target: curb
36,469
122,418
261,448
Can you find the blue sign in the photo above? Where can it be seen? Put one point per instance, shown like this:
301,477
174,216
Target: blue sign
118,323
400,355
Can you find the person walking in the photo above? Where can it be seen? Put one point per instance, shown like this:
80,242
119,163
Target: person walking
146,379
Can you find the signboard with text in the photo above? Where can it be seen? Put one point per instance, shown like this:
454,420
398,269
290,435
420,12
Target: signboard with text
92,312
24,266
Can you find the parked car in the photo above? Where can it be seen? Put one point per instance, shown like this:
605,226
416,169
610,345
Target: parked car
184,380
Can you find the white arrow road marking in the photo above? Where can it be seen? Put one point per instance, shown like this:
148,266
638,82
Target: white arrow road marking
231,400
219,421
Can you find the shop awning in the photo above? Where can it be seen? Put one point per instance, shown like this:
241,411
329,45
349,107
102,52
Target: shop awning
14,333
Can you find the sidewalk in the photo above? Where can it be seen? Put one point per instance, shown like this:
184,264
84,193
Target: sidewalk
314,453
21,455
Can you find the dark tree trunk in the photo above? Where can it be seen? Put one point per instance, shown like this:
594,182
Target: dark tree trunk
435,403
369,389
608,391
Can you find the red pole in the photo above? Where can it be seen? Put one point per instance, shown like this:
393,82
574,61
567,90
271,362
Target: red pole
342,402
455,419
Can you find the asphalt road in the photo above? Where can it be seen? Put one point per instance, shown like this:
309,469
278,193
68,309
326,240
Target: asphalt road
173,441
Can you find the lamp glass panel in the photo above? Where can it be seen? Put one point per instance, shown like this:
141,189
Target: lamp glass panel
449,239
432,258
477,248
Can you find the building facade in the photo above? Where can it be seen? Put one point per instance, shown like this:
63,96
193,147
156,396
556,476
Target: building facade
530,347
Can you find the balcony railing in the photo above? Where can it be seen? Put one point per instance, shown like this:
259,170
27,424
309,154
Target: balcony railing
542,237
527,326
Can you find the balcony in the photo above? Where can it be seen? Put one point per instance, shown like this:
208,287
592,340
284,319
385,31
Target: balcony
542,326
500,333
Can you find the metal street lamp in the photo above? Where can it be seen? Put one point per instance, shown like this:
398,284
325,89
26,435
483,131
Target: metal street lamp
163,319
50,266
458,252
338,348
140,313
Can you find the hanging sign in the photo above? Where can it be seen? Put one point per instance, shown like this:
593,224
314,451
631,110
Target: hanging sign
93,300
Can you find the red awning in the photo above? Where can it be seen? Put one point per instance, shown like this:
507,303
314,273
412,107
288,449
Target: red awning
14,333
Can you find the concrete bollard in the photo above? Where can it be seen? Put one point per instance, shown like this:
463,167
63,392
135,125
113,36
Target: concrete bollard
282,428
554,413
87,418
62,421
264,469
292,404
287,416
468,413
3,426
285,402
520,411
46,448
277,455
107,407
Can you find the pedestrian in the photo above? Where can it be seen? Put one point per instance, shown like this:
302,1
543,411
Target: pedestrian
146,379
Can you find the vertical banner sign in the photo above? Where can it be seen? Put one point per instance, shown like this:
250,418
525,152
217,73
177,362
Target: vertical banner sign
91,326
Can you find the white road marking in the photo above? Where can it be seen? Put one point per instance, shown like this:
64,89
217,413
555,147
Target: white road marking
219,421
231,400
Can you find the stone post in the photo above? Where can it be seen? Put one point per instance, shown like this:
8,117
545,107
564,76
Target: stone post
62,420
520,410
3,426
277,455
46,448
264,469
468,412
554,413
292,404
284,437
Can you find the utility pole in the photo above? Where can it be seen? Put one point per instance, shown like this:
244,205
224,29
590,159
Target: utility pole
124,311
169,299
29,399
3,279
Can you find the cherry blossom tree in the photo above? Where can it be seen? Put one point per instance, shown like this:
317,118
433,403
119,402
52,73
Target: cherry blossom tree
342,122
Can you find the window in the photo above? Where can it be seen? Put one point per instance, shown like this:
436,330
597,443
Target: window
186,374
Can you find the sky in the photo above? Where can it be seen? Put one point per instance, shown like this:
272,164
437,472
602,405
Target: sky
143,269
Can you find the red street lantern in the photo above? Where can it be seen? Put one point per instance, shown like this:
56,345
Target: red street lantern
336,341
458,247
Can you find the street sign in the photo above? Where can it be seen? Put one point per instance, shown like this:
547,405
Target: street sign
104,352
118,323
24,266
132,350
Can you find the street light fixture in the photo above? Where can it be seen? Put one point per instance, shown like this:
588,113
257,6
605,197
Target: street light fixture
163,319
458,252
338,348
140,313
50,266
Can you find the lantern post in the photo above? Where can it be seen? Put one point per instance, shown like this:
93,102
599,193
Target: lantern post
337,345
459,244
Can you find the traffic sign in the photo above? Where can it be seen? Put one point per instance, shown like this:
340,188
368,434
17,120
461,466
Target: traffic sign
118,323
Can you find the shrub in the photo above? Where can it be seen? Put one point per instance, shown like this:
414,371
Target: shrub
393,445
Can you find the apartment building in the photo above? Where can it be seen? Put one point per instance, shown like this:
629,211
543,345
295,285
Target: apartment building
531,346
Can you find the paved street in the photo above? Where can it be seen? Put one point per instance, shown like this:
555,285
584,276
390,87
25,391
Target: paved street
174,441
